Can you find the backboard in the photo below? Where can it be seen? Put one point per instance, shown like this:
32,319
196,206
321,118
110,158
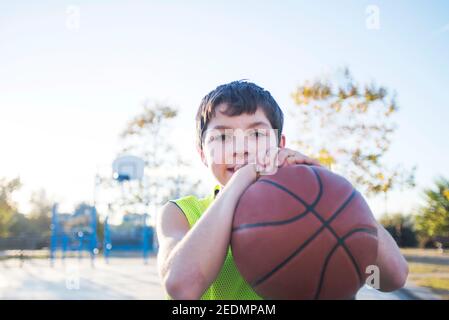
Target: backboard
128,167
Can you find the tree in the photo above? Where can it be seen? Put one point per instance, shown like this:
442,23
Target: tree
401,228
180,183
19,225
349,127
7,205
37,222
432,219
40,213
147,135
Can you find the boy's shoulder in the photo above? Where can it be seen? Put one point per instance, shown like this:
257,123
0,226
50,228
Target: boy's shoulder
211,194
201,202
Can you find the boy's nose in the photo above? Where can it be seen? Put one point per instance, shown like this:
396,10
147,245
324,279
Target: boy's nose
240,149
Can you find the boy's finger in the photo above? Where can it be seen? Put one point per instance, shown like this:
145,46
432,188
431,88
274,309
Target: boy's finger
300,159
270,160
317,163
272,157
282,159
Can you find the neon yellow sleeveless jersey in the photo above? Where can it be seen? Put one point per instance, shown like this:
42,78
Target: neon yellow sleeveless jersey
229,284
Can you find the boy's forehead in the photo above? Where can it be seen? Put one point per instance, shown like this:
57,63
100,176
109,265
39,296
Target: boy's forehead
242,121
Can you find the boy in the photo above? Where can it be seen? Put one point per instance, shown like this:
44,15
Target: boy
194,259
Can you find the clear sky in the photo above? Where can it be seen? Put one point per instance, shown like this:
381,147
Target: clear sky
73,72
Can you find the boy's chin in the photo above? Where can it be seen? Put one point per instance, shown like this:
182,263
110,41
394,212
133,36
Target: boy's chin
226,177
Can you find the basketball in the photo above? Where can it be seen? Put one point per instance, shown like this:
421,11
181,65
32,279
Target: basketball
303,233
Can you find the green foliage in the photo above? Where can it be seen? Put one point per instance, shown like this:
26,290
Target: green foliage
37,222
401,228
432,219
7,205
20,225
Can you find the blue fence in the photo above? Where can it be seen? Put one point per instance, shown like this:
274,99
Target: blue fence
74,231
132,235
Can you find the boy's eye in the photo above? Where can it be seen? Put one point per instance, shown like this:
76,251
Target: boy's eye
224,137
257,133
219,137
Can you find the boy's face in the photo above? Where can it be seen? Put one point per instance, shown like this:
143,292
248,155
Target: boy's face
242,139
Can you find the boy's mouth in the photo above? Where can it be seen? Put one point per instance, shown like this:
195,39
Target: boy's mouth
232,169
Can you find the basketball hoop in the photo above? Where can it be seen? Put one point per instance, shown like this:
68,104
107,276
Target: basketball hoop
127,168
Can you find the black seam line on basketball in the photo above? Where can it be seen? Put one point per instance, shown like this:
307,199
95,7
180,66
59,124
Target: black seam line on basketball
339,240
320,186
303,202
329,256
271,223
351,257
311,208
297,217
327,223
302,246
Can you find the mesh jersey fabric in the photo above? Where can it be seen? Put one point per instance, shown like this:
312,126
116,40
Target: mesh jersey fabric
229,284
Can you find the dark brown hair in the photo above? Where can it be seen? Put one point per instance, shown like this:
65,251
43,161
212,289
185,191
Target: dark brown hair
241,97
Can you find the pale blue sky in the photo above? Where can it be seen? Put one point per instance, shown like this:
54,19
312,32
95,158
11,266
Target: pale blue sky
66,93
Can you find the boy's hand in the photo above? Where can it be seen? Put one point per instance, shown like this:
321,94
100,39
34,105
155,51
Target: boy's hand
282,157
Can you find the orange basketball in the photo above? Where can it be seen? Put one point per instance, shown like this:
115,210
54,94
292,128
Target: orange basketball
303,233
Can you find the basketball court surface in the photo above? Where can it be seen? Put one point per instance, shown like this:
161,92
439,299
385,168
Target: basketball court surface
122,278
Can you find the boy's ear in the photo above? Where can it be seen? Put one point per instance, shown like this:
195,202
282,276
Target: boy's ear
282,142
203,157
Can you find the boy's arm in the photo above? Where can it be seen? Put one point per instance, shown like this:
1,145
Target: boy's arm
393,267
171,226
190,260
